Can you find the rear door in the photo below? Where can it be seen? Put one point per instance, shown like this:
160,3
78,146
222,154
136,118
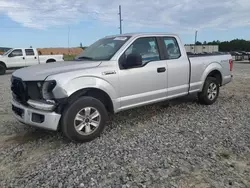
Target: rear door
31,58
16,59
178,67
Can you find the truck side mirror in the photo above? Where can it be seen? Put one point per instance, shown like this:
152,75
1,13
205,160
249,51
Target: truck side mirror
133,60
10,55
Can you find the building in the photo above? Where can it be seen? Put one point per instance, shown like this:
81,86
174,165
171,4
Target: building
201,48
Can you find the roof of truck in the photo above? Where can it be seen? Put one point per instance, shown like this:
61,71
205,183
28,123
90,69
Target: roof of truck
144,34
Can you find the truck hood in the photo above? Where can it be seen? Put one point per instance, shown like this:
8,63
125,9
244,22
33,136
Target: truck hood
42,71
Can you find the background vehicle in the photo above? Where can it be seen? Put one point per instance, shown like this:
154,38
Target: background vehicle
115,73
23,57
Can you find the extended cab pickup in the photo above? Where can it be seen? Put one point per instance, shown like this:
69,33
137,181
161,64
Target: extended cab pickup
24,57
115,73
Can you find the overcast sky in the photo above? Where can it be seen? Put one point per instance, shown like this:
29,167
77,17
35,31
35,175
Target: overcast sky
46,23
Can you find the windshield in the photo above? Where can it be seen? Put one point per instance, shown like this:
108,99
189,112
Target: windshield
7,52
103,49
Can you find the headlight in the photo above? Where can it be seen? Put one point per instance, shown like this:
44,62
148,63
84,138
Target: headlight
47,88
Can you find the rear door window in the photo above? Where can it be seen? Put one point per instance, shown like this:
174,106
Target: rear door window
29,52
172,47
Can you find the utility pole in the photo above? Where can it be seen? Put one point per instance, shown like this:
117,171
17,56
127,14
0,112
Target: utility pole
120,18
195,40
68,39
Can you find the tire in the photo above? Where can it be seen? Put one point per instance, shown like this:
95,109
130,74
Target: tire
210,91
75,116
2,69
51,61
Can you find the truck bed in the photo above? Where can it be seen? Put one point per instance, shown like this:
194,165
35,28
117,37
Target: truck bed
200,63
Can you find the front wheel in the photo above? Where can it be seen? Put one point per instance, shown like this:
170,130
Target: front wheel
210,91
2,69
84,119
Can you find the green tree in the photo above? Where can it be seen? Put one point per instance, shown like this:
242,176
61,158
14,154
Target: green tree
233,45
198,43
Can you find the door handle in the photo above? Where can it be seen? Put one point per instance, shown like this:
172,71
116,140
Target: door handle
35,57
108,72
161,69
23,57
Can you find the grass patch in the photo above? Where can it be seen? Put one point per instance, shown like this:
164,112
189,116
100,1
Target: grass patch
69,57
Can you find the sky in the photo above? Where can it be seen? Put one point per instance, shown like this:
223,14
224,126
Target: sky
47,23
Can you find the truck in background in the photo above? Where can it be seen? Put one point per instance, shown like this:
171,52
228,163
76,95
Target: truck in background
23,57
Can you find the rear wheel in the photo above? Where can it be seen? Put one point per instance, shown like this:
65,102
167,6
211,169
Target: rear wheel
51,61
2,69
84,119
210,91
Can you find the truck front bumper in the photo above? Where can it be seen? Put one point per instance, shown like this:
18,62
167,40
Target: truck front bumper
37,118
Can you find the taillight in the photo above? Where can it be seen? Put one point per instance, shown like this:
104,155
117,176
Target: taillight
231,64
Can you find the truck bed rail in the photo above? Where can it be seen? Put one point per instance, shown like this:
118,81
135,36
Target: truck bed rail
206,54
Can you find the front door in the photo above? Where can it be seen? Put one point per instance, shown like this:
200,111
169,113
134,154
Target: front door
146,83
16,59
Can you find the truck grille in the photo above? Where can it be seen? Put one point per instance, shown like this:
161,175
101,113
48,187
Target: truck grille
33,91
23,91
19,91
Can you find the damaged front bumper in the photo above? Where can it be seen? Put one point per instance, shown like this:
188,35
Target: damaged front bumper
43,117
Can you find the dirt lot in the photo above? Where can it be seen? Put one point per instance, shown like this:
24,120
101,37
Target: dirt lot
179,143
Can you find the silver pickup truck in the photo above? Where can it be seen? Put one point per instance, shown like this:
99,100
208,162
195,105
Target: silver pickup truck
115,73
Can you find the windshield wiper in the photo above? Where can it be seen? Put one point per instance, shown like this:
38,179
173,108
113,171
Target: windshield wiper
84,57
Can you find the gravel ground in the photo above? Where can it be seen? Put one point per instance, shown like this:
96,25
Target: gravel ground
179,143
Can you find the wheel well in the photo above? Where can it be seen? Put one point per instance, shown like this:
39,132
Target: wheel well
2,63
96,93
216,74
50,60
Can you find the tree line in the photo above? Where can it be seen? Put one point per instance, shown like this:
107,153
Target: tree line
228,46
